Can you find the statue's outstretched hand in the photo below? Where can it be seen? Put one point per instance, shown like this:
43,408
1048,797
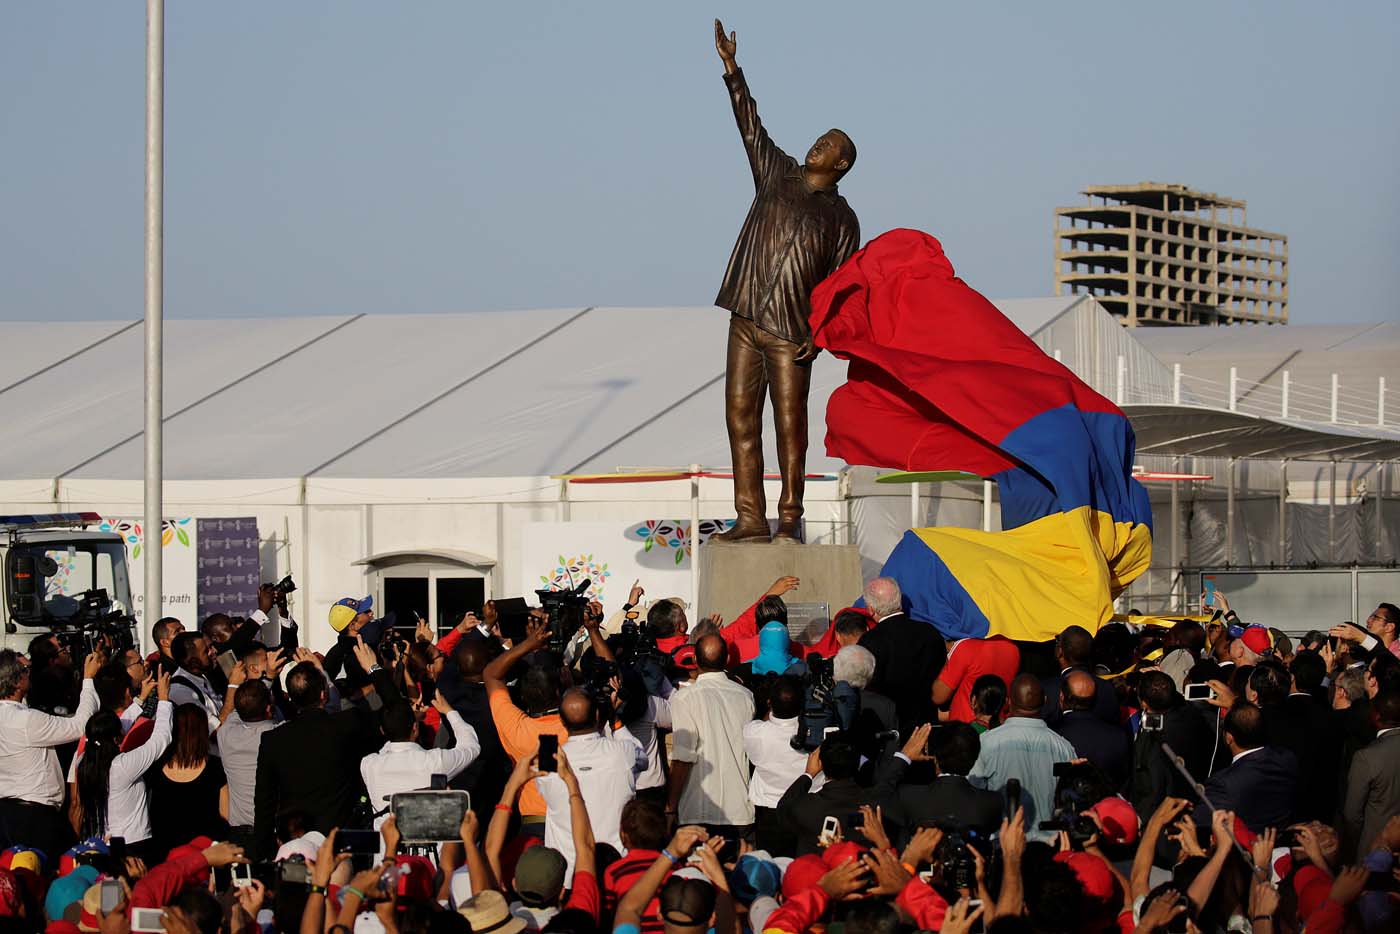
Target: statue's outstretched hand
726,46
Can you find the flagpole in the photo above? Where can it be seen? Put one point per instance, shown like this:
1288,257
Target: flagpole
155,303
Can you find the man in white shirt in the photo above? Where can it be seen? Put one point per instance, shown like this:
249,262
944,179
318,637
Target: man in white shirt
657,716
403,765
32,782
190,684
776,765
606,767
708,719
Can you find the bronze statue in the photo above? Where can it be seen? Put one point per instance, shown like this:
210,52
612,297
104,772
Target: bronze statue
798,231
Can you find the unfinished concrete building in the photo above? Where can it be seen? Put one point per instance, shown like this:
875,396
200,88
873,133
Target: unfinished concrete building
1156,254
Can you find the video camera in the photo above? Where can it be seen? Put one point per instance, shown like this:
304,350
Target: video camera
827,706
94,620
636,650
1078,787
565,609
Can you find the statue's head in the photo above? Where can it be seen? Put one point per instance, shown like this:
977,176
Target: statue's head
832,152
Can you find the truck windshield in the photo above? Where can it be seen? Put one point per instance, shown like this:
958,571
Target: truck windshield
74,568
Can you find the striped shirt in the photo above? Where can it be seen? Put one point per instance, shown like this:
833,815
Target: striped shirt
619,878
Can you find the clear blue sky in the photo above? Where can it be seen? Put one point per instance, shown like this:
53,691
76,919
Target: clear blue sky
430,156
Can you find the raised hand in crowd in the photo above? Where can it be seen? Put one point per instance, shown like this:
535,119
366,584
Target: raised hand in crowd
961,917
423,631
920,848
782,585
1165,909
364,654
847,881
890,875
94,661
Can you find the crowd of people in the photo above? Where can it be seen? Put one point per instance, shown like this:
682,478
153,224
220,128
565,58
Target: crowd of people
644,775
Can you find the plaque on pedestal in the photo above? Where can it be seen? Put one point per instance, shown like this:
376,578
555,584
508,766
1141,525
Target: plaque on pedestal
733,576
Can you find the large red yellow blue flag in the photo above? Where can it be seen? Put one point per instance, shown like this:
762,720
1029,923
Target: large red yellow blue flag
939,379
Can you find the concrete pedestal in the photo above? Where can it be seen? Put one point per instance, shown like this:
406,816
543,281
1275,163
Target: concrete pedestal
732,576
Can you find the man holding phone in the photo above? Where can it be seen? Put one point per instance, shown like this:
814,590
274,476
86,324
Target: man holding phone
606,766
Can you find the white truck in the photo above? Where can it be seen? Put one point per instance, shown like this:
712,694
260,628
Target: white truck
60,577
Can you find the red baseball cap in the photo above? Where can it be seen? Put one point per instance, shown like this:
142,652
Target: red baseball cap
842,852
415,878
1313,886
1117,819
803,874
1257,640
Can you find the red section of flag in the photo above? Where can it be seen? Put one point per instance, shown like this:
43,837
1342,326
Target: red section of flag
938,376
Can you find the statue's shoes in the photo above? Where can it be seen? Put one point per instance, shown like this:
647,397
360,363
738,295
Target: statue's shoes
744,533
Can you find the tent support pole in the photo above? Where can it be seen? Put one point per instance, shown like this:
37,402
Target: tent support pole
155,306
1230,516
914,519
1283,513
695,541
1380,501
1332,512
1176,539
986,505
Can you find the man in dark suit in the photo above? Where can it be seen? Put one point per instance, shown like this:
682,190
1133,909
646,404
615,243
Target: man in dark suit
312,764
1373,784
950,798
805,812
1074,652
1261,782
909,654
1167,719
1105,745
1307,716
464,688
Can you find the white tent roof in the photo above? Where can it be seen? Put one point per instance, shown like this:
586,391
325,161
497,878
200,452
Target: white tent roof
478,394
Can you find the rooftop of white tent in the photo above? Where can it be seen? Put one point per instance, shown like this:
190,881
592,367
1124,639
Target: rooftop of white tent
471,394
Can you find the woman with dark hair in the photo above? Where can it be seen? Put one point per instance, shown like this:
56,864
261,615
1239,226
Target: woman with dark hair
988,699
189,794
111,783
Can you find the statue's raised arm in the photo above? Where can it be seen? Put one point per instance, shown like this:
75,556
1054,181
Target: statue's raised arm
764,155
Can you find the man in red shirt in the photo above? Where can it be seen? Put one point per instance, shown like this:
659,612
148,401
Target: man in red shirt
968,660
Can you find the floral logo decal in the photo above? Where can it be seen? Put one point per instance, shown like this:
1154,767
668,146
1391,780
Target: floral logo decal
569,572
171,530
675,534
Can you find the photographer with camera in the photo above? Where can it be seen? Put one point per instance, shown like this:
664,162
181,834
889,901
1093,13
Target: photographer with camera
627,676
276,628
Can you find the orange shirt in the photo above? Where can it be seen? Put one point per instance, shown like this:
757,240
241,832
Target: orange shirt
520,736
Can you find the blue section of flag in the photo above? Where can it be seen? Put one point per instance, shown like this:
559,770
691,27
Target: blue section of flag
1071,459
